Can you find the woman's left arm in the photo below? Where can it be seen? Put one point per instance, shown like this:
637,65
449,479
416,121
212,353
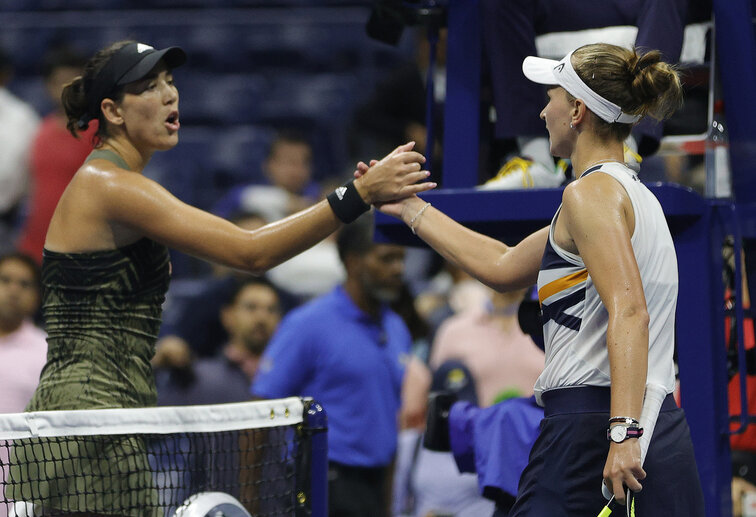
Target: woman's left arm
599,218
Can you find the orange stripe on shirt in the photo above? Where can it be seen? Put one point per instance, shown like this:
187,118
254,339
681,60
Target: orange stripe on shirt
560,284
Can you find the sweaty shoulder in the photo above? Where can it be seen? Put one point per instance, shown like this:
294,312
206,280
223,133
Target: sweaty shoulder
92,177
595,192
114,185
95,201
595,202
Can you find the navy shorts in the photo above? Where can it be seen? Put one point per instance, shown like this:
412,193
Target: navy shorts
564,473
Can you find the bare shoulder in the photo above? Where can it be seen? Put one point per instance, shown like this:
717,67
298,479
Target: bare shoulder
111,188
104,175
595,193
86,206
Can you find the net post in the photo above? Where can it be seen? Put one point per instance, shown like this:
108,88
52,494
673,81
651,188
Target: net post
312,492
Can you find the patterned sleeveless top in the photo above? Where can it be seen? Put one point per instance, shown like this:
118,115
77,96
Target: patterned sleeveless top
575,321
102,314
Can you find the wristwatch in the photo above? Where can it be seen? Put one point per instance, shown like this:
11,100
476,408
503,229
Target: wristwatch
620,433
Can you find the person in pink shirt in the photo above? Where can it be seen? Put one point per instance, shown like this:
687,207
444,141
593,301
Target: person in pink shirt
503,360
23,348
55,154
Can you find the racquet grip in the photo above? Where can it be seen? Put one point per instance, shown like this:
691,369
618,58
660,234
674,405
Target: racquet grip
652,402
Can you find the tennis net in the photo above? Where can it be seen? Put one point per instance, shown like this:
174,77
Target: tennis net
263,458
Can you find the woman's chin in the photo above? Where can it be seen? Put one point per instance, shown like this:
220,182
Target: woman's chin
168,144
557,152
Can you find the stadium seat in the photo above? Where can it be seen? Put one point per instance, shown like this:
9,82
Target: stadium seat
237,156
32,90
213,46
92,39
186,170
309,97
25,47
18,5
72,5
218,99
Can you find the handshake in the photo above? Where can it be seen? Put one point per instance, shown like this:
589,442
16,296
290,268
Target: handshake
387,183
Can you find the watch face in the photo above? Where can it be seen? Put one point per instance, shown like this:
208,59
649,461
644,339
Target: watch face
618,433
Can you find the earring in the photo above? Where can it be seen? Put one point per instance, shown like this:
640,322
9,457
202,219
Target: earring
572,126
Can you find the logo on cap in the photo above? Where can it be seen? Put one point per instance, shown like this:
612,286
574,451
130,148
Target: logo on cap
559,67
141,47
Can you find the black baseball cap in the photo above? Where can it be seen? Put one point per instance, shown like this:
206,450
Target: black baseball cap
455,377
130,63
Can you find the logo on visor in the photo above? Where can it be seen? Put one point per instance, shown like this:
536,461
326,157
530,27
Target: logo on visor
141,47
558,68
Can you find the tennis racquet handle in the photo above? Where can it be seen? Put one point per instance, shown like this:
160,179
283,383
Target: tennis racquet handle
652,402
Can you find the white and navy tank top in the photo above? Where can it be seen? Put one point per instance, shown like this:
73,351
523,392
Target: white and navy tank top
574,318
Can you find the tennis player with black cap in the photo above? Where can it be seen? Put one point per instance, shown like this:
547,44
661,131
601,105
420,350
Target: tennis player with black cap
106,270
607,283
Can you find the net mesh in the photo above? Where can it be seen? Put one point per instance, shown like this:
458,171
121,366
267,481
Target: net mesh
149,462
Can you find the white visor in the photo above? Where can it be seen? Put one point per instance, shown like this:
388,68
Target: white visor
561,73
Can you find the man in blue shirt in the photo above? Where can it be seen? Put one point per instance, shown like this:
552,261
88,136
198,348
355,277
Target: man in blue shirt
349,351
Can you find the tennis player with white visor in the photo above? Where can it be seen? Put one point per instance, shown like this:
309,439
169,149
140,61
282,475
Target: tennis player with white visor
657,393
551,72
607,281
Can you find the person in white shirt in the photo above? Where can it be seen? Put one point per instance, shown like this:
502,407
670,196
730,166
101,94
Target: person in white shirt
18,125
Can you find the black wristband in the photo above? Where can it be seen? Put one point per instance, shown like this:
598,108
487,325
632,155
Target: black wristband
347,203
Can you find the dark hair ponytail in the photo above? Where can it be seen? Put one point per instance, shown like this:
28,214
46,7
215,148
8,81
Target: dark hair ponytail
74,96
75,105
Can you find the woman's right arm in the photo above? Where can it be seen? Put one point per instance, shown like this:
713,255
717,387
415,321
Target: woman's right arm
492,262
144,206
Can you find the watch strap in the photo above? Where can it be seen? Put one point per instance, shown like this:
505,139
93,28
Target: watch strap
623,420
631,431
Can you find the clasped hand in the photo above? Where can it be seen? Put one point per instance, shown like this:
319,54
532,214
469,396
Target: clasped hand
396,176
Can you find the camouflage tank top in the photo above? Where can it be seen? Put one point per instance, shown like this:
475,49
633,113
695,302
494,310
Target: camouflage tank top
102,314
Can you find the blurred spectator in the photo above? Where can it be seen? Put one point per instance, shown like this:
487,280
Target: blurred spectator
349,351
428,483
404,306
250,316
450,291
504,362
290,188
509,33
288,169
55,154
195,327
395,111
23,348
743,482
311,273
418,376
18,124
